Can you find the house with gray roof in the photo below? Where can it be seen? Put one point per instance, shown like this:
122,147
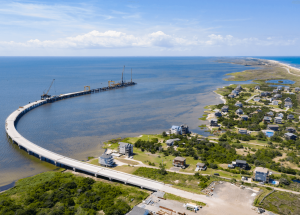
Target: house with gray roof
288,99
243,131
261,174
244,117
225,108
106,160
214,122
290,136
273,127
290,116
290,129
278,120
238,104
267,119
297,89
239,111
278,96
279,88
288,104
275,102
231,96
257,87
126,149
171,142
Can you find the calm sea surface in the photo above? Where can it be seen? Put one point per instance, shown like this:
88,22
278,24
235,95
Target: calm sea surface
170,90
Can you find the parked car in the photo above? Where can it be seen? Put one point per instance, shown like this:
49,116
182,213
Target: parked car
217,174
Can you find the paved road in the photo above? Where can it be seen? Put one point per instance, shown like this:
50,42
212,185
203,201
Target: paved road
251,97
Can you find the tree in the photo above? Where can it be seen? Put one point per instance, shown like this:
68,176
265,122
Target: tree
164,134
162,169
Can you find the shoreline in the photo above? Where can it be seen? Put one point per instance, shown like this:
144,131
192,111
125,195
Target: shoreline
277,63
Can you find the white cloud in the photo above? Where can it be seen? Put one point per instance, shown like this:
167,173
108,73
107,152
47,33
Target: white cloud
117,39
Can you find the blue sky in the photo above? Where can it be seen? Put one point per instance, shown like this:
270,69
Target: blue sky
150,28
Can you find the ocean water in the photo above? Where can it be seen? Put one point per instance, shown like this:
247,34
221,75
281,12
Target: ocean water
291,60
169,91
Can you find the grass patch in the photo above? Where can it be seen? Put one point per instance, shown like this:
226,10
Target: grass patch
170,196
282,203
127,161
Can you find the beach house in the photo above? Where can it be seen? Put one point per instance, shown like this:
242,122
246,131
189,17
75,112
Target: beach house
179,162
278,120
126,149
290,136
261,174
273,127
225,109
239,111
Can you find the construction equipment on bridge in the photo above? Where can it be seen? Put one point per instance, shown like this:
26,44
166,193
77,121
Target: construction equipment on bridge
87,88
45,95
111,85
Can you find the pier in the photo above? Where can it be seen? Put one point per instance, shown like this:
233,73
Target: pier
66,162
75,165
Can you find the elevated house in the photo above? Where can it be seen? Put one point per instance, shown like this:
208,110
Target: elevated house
290,116
275,91
275,102
231,96
278,120
264,94
244,117
185,129
106,160
273,127
214,122
267,119
171,142
243,131
270,113
288,104
256,99
257,87
201,166
279,88
288,99
291,129
277,96
287,88
239,111
238,104
297,89
239,88
218,113
261,174
290,136
126,149
179,162
225,109
235,92
241,164
175,130
280,115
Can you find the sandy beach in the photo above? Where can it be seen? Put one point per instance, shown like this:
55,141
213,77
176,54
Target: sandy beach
277,63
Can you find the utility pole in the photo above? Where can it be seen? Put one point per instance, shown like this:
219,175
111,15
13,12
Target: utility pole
131,75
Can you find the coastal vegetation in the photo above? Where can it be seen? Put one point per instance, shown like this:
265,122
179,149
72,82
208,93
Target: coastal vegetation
64,193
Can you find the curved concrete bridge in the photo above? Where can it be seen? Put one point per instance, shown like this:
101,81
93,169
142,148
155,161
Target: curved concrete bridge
75,165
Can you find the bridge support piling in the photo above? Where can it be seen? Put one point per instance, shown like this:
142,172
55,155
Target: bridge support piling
74,169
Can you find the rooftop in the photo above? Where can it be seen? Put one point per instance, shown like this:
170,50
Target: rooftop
200,164
180,159
124,144
241,161
105,156
261,169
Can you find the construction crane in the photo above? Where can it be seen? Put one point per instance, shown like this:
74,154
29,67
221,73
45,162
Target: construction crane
122,82
45,95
